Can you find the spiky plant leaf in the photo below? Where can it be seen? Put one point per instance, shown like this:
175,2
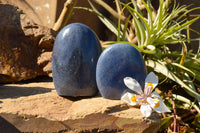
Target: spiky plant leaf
108,23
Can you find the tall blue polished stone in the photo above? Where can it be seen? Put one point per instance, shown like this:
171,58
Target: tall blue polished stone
75,54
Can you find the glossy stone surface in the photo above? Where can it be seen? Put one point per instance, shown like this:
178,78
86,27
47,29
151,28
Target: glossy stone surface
115,63
75,54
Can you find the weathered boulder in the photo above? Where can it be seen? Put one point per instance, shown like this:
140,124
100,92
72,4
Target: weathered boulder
36,107
24,46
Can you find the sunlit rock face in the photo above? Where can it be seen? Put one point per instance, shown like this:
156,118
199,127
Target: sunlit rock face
25,47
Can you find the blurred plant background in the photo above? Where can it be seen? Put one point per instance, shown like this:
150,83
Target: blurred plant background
153,31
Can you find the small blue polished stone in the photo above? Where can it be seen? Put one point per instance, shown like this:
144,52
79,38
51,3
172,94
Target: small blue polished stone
115,63
75,54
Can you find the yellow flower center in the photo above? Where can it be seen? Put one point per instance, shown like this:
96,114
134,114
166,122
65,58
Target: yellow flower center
150,84
133,99
157,104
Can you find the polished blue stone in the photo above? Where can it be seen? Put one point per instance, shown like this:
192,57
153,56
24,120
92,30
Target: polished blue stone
75,54
115,63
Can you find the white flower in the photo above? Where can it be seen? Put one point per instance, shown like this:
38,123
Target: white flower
148,99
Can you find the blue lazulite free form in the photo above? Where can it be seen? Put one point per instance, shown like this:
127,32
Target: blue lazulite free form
115,63
75,54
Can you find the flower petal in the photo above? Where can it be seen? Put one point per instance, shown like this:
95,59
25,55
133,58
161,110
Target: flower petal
126,97
151,79
147,90
140,98
133,85
155,95
160,106
146,110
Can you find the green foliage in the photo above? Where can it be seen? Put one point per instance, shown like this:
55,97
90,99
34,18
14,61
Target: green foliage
165,123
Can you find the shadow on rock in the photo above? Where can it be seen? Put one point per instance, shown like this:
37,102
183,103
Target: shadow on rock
74,99
16,92
116,108
0,108
36,80
7,127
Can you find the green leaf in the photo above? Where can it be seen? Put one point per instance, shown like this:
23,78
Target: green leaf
184,68
179,28
198,51
108,23
196,121
149,12
140,31
141,26
183,99
135,5
187,11
165,123
188,81
149,25
125,28
158,20
119,29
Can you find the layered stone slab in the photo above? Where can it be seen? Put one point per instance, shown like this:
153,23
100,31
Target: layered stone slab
36,107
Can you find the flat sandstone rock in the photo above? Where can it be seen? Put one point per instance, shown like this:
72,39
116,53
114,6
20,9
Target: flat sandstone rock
36,107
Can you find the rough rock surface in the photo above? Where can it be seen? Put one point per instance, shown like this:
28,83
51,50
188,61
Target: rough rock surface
35,107
24,46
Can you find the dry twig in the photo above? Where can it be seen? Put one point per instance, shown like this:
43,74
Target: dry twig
65,14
